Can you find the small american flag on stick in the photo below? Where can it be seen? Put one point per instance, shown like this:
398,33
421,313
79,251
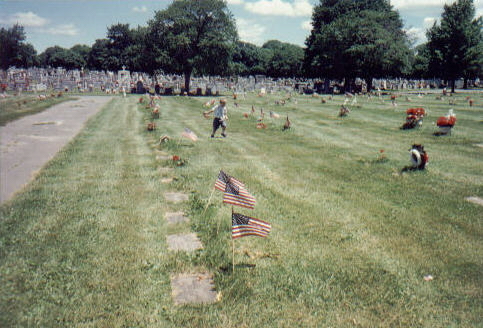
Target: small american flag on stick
242,226
222,180
187,133
239,196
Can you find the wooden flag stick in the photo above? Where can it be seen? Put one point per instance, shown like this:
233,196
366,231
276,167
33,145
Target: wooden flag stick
209,201
232,244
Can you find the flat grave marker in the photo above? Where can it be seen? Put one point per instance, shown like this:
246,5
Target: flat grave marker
193,288
184,242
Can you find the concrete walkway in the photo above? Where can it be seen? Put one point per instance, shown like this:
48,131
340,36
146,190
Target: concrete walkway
27,144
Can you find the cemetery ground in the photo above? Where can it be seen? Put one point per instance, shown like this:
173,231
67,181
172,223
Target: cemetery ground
354,241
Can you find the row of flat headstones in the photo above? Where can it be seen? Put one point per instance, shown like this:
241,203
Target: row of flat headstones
187,288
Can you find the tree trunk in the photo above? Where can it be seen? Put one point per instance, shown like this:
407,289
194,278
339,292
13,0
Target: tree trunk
465,83
347,85
187,79
368,84
326,86
452,81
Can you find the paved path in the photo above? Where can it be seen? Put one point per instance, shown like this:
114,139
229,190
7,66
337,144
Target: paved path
27,144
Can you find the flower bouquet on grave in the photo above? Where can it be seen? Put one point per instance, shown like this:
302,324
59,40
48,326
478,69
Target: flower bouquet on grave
414,118
446,123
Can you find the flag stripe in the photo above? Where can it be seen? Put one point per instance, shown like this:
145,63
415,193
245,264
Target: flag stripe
247,226
223,178
232,202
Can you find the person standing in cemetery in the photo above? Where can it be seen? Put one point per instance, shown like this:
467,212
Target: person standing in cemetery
220,117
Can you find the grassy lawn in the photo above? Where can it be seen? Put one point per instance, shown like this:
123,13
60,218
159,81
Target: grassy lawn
17,107
352,238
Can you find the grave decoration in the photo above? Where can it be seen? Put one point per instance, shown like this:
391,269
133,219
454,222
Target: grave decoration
418,156
344,111
414,118
446,123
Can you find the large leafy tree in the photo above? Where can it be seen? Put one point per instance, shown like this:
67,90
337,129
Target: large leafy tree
13,49
249,59
420,64
81,52
356,39
193,36
286,60
99,55
456,44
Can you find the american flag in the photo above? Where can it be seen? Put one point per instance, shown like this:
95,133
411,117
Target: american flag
223,178
242,226
187,133
236,195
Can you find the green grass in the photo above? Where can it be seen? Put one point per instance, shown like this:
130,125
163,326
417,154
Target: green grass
352,237
16,107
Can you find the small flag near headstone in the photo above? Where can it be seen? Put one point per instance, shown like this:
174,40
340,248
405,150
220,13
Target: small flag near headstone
238,196
223,178
243,226
187,133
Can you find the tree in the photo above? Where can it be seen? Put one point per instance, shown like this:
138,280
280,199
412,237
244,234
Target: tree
99,55
82,53
356,39
286,60
193,36
420,65
456,44
13,50
249,59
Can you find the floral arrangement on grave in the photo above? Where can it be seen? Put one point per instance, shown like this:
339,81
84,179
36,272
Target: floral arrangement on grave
418,156
155,113
343,111
414,118
178,161
446,123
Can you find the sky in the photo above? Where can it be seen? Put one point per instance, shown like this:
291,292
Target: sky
69,22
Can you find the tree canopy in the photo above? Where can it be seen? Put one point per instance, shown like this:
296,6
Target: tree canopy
356,38
456,44
13,50
193,36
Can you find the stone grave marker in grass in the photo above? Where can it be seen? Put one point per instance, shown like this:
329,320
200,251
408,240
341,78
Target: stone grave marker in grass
166,180
176,197
476,200
193,288
176,217
184,242
163,157
164,171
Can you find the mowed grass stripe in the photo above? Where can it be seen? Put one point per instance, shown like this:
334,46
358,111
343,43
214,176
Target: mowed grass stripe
92,234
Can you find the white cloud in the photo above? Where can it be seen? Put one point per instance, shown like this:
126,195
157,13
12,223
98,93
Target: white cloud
26,19
296,8
234,2
141,9
428,22
417,34
65,29
250,31
405,4
307,25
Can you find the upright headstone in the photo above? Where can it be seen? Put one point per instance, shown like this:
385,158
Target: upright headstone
140,88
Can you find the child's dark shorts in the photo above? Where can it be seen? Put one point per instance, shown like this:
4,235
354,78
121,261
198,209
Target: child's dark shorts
217,122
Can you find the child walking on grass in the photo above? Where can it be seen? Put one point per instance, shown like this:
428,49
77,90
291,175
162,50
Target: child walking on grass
220,117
